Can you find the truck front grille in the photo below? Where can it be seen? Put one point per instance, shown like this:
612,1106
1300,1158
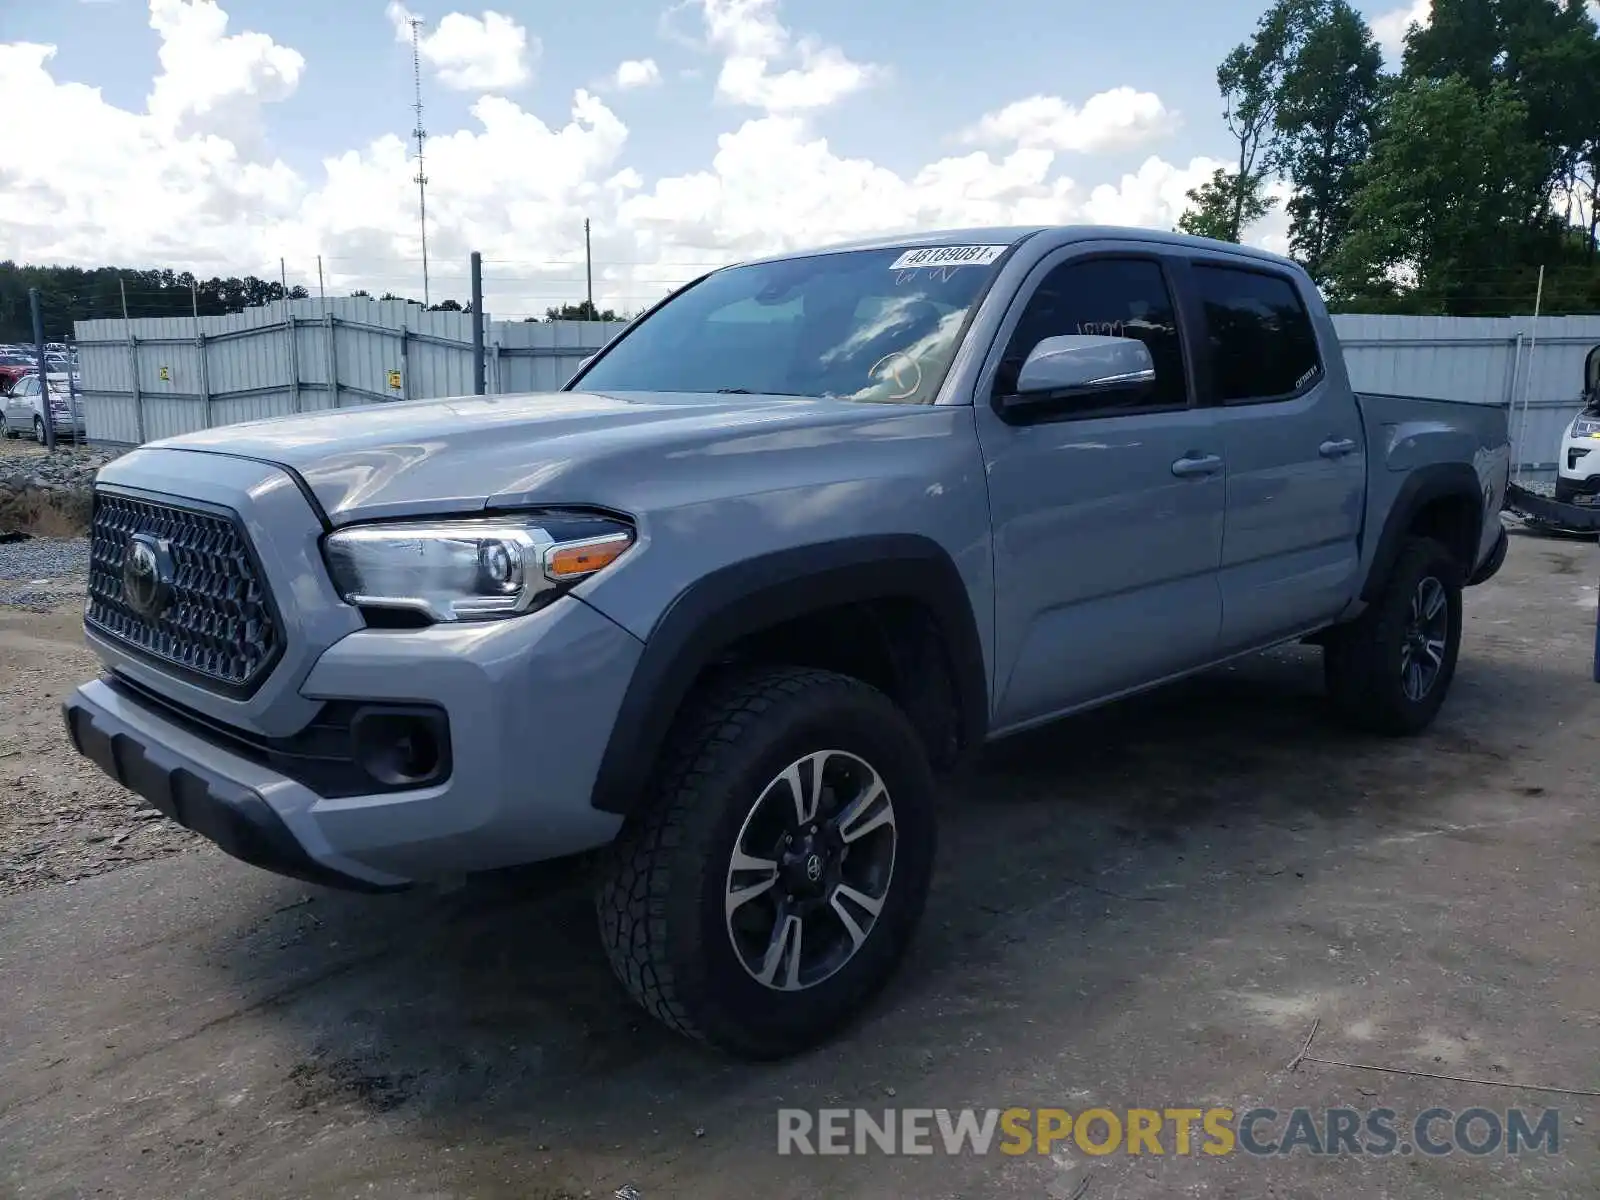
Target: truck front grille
214,619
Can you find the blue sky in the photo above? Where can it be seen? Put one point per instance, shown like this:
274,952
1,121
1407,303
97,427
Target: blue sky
645,161
950,65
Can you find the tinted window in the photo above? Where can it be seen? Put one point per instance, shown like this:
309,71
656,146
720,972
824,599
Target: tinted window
1120,297
1262,343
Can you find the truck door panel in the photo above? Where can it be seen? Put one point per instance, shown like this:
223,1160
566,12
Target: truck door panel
1296,455
1105,554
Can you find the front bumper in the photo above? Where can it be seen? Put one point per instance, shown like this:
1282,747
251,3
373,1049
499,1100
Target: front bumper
1578,491
530,703
193,793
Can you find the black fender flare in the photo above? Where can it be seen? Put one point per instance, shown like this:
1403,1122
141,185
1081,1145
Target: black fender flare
759,593
1423,486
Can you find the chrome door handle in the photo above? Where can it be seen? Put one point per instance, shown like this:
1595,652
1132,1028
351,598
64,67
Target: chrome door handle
1336,447
1188,468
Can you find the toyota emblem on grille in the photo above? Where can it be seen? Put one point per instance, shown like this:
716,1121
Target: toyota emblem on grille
147,576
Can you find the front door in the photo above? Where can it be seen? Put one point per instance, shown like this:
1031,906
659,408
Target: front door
1297,458
1107,523
19,404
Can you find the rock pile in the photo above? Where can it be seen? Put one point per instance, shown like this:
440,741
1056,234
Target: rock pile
48,494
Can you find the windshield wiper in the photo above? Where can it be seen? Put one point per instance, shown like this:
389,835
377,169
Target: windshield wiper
734,392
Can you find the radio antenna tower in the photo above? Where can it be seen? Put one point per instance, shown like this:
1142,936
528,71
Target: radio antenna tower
421,135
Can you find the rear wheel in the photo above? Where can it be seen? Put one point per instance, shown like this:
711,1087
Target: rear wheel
38,430
1389,671
775,877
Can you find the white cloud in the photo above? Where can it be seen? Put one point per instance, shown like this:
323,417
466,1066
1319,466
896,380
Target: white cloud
1154,195
751,39
1390,28
1110,120
174,185
211,82
637,72
488,53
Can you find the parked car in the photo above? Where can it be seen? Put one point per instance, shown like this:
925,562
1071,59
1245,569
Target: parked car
24,408
1578,468
14,365
811,529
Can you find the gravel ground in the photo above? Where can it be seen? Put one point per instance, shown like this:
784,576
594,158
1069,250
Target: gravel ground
61,820
42,573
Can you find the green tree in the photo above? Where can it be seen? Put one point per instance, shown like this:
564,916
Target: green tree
1249,79
1325,111
1221,209
71,294
584,310
1547,53
1450,195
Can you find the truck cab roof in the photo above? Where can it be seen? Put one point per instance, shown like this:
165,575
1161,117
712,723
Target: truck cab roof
1007,235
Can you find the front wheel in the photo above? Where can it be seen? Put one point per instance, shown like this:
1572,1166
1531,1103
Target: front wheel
774,879
1389,671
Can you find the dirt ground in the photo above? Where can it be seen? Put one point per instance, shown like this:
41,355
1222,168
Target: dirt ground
1146,907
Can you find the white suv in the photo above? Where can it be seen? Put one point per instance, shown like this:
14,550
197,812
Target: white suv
1578,471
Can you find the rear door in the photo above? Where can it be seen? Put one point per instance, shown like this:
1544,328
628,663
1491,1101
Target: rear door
1296,475
1107,521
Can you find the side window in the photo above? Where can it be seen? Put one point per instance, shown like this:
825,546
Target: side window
28,387
1120,297
1263,346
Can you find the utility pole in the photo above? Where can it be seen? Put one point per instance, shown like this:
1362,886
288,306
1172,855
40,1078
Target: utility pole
45,407
588,268
421,134
1520,446
478,374
133,363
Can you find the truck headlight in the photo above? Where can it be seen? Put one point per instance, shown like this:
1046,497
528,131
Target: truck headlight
473,569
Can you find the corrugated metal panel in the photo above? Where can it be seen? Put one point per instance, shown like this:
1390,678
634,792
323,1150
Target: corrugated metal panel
389,350
1534,368
541,356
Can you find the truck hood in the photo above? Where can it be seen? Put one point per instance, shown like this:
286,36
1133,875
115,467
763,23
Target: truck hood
466,453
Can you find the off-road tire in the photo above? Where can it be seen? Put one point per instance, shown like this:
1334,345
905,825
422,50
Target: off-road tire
1362,660
660,901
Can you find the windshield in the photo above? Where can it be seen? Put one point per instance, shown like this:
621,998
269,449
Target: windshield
870,325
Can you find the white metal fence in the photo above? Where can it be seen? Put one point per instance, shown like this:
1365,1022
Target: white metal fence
157,377
153,378
1533,368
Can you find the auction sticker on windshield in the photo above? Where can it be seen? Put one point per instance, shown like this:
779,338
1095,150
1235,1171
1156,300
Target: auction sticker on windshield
947,256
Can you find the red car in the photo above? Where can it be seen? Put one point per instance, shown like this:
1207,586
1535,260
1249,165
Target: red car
13,367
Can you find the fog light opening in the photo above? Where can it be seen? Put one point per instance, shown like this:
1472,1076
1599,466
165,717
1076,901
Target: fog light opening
400,749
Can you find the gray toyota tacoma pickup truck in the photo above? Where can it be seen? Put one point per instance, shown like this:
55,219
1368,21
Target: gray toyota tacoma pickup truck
792,544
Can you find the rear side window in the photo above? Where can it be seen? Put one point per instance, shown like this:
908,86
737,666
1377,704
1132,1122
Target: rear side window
1262,344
